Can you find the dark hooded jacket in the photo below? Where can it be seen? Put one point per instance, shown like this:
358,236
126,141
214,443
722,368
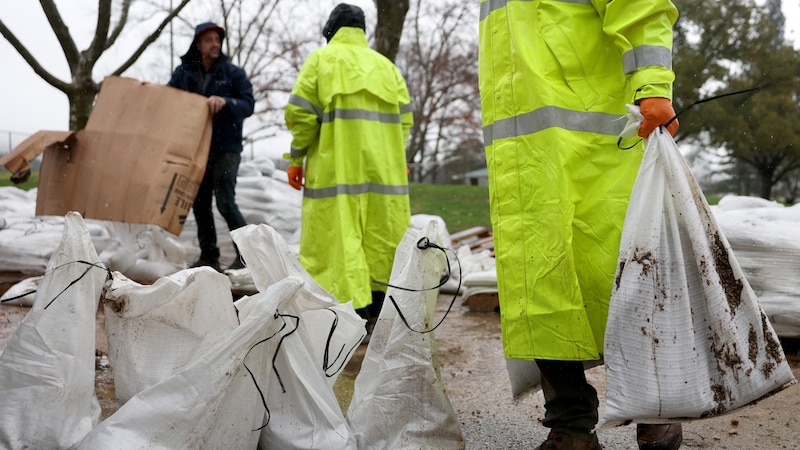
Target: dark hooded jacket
227,81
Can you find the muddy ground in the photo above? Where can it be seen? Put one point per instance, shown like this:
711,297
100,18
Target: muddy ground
474,373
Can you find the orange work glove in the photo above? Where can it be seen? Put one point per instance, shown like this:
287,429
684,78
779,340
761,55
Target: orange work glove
296,177
656,111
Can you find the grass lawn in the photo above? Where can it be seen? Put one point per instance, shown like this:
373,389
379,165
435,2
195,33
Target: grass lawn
460,206
33,181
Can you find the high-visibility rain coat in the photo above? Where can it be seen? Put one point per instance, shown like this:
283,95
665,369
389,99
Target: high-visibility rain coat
350,118
554,78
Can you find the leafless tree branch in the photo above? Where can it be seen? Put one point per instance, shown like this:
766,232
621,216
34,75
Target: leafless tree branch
31,60
150,39
62,33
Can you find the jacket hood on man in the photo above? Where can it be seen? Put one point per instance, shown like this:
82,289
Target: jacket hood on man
343,15
193,54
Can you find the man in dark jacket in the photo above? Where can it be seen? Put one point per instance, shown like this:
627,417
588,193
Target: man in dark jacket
205,70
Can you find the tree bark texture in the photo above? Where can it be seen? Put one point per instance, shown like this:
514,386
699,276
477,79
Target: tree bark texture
391,16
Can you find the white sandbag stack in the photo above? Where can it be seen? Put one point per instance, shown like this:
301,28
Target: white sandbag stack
47,369
685,337
27,241
265,197
399,400
142,252
766,240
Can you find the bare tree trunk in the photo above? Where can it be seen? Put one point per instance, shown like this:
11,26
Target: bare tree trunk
391,16
81,94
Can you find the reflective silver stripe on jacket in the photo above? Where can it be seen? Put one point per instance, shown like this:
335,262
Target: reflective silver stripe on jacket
553,116
355,189
300,102
297,152
646,55
363,114
494,5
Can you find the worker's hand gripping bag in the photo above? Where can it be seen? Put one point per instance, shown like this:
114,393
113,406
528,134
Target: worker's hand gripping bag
686,337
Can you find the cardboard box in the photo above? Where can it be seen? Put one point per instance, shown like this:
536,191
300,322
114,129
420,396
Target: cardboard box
140,158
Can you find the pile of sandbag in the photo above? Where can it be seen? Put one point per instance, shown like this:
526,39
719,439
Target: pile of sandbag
193,369
765,238
141,252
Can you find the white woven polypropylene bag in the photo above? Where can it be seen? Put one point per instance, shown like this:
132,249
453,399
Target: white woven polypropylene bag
686,337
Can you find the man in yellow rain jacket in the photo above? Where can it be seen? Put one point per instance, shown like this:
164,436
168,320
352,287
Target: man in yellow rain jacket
555,77
350,118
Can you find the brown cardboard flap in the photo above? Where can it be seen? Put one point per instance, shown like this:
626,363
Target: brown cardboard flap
140,158
18,160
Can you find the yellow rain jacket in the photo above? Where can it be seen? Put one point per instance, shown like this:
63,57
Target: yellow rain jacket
554,78
350,118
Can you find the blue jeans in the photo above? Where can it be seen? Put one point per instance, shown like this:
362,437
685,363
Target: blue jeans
219,182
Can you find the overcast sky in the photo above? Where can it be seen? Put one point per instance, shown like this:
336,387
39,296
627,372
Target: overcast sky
30,104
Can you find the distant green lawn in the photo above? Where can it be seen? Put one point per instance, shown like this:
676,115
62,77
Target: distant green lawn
460,206
33,181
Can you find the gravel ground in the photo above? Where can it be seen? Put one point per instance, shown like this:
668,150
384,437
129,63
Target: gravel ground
474,373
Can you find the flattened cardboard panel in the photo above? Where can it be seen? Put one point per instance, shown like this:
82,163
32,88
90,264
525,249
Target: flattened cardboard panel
17,161
140,159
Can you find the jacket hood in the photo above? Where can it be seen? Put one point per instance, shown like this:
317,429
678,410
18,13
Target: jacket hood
343,15
193,54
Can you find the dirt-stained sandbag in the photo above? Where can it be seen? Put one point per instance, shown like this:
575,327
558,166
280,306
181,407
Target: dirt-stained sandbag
686,337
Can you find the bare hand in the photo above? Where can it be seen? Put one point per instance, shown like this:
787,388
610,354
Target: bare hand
215,103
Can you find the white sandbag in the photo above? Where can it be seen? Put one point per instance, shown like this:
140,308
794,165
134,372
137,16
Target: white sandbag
260,166
685,337
47,369
13,200
399,400
333,329
27,243
269,201
422,221
212,403
155,330
304,411
526,378
142,252
465,263
22,293
765,238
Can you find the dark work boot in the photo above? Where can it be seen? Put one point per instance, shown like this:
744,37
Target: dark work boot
205,260
666,436
560,440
